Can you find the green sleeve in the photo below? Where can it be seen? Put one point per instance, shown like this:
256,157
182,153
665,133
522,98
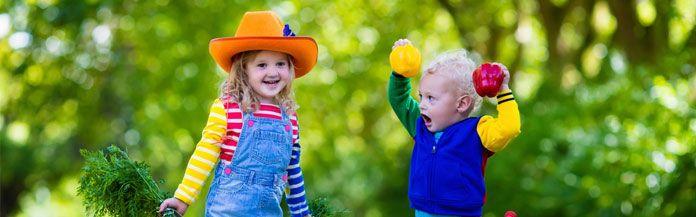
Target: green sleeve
405,107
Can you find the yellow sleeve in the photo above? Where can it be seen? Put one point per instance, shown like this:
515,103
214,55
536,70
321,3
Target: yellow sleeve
495,133
205,156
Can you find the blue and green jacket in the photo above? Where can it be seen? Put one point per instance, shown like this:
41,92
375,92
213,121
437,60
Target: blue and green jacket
446,176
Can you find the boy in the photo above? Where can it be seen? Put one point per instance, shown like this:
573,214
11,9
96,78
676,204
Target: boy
451,148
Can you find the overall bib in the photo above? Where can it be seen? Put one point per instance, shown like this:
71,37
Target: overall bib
252,184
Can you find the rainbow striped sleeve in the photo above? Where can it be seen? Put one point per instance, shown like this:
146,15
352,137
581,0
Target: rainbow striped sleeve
204,157
296,198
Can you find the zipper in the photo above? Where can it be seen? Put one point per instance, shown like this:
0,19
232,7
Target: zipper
431,167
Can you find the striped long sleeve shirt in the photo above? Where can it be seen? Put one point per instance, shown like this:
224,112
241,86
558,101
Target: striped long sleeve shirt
211,148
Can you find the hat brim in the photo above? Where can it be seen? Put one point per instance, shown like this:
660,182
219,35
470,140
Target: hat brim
302,49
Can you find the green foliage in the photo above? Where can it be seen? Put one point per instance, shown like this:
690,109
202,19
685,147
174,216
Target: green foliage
114,185
608,117
321,207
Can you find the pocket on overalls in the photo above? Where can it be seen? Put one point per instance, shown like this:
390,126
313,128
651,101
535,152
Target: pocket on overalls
227,183
271,197
228,194
270,147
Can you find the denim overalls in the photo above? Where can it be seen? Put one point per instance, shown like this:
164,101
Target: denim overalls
252,184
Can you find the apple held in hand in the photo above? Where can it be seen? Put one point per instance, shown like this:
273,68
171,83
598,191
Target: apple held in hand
405,60
487,79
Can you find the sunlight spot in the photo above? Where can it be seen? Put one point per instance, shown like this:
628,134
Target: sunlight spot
661,161
603,21
20,40
285,9
132,137
43,195
626,208
613,123
54,45
571,77
327,76
628,177
102,34
652,181
664,92
369,37
524,32
618,63
4,25
646,12
611,140
570,179
675,147
592,59
18,132
526,84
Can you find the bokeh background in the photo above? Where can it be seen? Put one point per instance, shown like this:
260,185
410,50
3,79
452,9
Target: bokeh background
606,88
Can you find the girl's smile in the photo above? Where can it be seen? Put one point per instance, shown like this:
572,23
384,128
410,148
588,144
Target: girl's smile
269,73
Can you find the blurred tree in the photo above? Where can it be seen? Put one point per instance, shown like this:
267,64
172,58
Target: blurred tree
606,90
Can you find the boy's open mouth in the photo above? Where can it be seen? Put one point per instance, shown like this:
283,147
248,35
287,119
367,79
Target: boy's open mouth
426,119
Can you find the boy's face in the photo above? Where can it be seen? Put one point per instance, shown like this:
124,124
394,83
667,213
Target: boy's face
438,101
269,73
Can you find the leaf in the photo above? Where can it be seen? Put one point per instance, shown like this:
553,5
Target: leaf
114,185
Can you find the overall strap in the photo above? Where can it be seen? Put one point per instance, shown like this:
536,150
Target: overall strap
228,104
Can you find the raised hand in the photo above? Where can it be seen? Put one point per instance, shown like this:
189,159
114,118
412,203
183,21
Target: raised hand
506,79
405,59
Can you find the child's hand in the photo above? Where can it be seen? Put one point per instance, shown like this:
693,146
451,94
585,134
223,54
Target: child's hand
175,203
400,42
506,79
404,58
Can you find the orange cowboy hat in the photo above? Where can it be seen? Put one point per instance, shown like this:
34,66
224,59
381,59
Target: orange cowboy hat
263,30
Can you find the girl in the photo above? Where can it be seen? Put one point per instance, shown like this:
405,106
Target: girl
252,135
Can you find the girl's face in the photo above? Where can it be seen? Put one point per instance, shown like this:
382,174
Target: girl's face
269,73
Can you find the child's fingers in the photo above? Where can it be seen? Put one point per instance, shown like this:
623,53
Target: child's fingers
400,42
502,67
396,44
163,206
167,203
403,42
506,73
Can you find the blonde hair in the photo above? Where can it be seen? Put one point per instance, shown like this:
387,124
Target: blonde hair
236,86
458,65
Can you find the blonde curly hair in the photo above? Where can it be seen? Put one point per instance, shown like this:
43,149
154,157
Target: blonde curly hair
236,86
458,65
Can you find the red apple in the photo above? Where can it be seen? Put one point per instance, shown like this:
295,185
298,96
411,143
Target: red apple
487,79
510,214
